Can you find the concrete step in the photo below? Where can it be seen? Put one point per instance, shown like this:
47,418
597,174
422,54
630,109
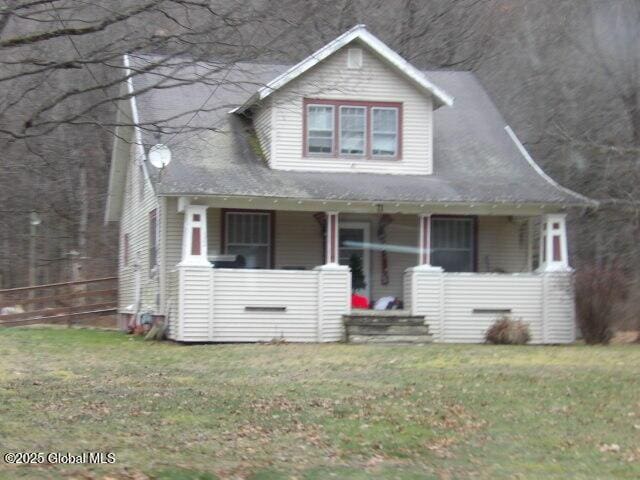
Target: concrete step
375,329
383,317
386,326
390,339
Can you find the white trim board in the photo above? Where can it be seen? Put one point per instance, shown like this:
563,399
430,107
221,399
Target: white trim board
359,32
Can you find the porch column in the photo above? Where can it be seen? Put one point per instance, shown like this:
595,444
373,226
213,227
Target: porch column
424,239
194,236
553,243
332,239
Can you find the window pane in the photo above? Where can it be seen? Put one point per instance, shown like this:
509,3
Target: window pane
320,129
320,118
248,236
250,256
452,244
320,145
385,131
452,260
384,120
352,128
384,144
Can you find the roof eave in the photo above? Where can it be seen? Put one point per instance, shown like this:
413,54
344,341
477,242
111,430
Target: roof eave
581,199
361,33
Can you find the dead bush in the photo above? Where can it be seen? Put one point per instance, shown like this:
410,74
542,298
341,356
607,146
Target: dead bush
597,291
507,331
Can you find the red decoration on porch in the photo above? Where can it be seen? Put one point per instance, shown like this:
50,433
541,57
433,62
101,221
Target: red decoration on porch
359,301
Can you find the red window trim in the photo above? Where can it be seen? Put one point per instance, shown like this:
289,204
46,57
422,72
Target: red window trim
272,228
337,103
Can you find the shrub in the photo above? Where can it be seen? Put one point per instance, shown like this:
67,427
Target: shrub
506,331
598,290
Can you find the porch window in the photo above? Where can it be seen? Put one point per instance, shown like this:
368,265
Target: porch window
248,235
384,131
320,129
453,243
352,130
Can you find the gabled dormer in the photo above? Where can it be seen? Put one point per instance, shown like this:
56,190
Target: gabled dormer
353,106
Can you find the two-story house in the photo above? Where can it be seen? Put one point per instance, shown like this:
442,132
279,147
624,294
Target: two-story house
282,176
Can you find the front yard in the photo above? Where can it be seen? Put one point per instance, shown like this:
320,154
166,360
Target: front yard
317,411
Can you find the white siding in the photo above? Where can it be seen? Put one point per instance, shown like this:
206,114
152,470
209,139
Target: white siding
448,301
213,304
427,299
465,292
503,244
236,289
172,310
214,230
174,222
196,302
139,200
559,308
334,299
375,81
262,125
298,240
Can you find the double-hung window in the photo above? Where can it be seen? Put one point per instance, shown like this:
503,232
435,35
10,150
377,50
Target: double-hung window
344,128
352,130
384,132
453,243
320,129
248,236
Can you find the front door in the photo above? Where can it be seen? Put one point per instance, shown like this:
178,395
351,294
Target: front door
354,250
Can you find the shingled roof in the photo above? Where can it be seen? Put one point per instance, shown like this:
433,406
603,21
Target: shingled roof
476,157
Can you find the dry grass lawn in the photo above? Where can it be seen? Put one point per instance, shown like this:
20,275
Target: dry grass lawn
317,411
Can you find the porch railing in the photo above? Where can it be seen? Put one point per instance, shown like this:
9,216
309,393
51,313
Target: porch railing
248,305
460,307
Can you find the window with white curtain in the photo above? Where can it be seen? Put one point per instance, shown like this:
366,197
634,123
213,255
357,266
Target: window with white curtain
384,131
248,236
343,128
352,130
452,243
320,129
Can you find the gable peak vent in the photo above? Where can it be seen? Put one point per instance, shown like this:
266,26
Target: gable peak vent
354,57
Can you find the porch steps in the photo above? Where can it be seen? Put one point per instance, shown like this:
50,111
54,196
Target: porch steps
385,326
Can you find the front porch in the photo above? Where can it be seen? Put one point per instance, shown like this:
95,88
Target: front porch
290,278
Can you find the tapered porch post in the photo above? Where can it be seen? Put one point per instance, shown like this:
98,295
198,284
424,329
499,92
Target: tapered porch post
553,243
332,256
194,236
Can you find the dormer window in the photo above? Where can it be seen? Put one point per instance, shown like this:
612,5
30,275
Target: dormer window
353,122
349,128
320,129
384,131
